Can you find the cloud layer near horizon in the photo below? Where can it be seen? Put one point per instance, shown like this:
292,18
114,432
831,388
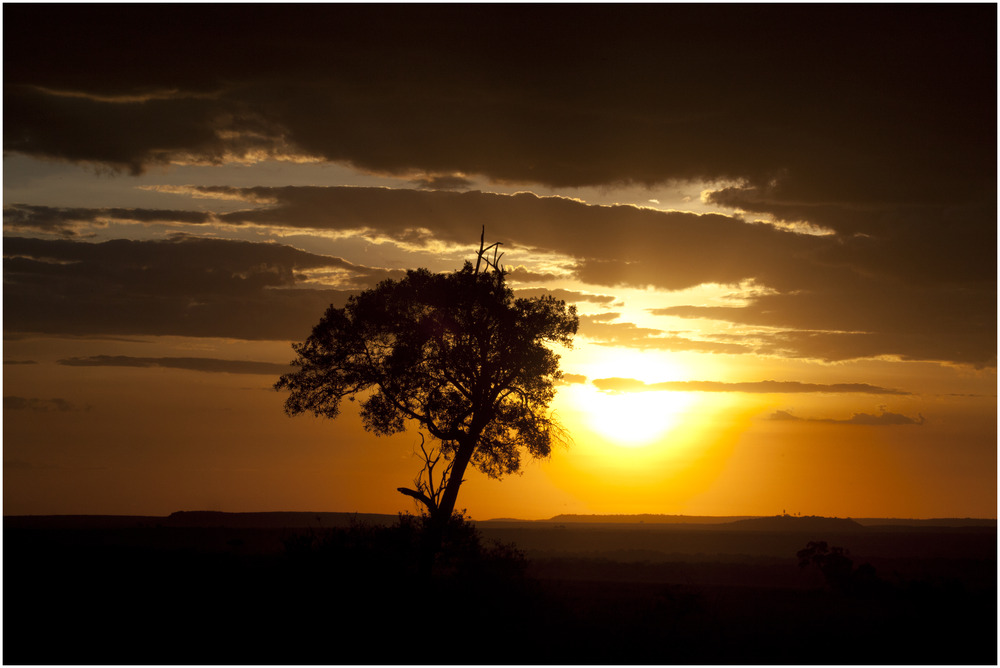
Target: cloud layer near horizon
817,298
188,287
204,364
760,387
883,419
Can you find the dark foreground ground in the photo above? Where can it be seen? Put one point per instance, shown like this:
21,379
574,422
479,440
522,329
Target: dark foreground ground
192,591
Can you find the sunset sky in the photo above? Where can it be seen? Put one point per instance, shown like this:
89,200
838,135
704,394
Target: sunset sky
778,224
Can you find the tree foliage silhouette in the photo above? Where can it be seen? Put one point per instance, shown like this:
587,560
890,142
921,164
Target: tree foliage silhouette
838,568
455,353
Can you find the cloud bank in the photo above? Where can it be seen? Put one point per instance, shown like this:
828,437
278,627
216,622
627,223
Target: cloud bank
874,124
831,95
187,287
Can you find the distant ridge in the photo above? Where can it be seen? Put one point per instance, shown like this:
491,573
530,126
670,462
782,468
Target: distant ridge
325,520
781,522
936,522
201,519
747,523
793,523
273,520
649,519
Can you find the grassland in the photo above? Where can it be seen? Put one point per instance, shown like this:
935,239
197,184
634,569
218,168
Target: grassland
280,588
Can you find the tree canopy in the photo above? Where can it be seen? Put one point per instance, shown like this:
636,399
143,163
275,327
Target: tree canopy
455,353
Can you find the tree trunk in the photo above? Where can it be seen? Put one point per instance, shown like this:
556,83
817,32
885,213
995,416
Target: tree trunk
442,515
450,496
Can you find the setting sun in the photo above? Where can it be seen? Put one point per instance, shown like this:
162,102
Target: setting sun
631,419
635,420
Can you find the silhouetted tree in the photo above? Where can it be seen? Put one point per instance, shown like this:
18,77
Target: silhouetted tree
838,568
832,562
454,353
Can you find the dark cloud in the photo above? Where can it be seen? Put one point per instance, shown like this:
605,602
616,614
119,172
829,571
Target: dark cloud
819,308
918,242
884,418
208,364
569,296
598,329
187,286
445,182
892,138
520,274
133,133
574,379
56,404
758,387
860,318
860,102
877,123
671,250
22,218
850,301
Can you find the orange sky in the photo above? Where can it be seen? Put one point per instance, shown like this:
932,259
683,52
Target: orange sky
782,250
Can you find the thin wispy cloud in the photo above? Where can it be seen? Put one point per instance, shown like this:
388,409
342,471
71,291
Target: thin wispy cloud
757,387
39,405
204,364
882,419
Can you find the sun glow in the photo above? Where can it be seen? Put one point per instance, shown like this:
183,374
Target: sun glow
635,419
670,471
631,419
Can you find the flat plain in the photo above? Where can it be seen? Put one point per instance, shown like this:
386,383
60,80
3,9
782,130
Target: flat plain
209,588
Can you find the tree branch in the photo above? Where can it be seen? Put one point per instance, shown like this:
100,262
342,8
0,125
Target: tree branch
419,496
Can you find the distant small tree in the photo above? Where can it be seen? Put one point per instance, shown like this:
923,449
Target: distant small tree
832,562
838,569
454,353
